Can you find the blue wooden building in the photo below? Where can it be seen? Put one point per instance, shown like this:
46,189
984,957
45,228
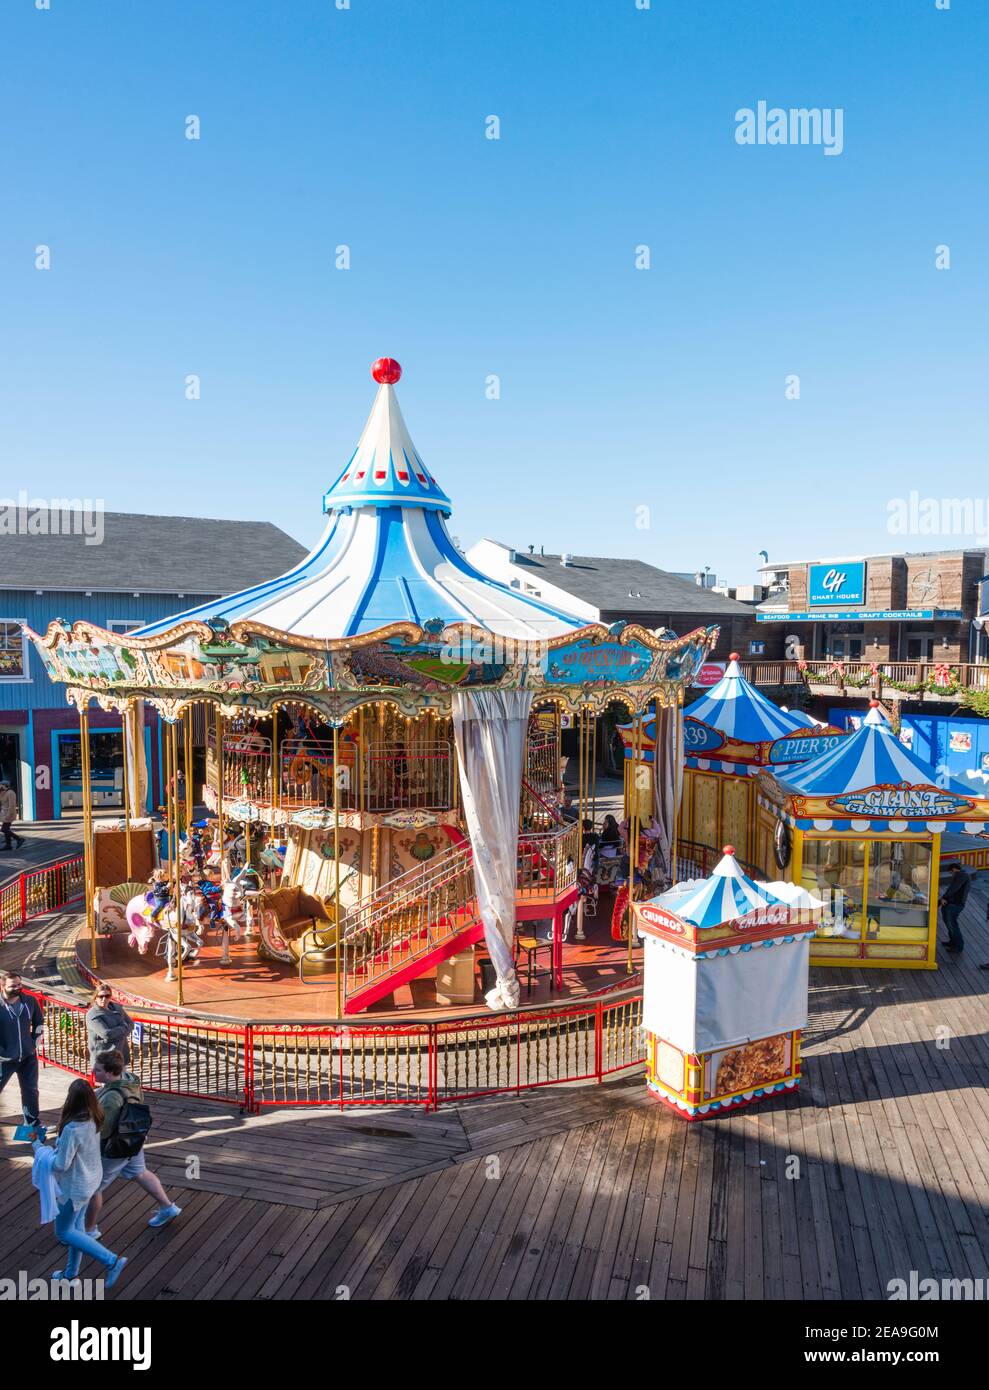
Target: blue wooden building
128,571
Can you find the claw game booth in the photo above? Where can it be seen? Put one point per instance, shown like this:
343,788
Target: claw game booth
861,826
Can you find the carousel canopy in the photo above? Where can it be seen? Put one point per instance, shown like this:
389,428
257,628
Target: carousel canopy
724,897
739,710
385,555
871,757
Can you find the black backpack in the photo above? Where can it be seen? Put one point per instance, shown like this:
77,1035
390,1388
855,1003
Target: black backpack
130,1131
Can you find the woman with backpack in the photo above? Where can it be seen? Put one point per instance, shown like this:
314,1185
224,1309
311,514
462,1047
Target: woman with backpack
78,1172
125,1125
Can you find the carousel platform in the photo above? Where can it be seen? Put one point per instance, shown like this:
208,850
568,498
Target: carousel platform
252,988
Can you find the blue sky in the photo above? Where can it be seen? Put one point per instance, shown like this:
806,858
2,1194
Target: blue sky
620,388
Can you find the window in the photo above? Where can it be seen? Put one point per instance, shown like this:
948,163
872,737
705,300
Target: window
13,656
124,624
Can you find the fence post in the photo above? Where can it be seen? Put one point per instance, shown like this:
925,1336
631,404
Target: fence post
23,888
247,1038
599,1041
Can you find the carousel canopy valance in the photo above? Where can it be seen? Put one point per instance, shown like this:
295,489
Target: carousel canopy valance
872,779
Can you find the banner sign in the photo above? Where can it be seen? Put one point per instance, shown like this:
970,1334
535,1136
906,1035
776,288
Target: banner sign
699,737
888,802
863,615
580,662
834,584
799,748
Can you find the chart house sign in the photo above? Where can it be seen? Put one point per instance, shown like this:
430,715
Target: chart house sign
913,803
836,584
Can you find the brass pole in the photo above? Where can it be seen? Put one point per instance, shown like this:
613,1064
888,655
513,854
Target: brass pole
336,863
594,767
124,743
189,801
219,784
276,772
173,733
633,831
88,848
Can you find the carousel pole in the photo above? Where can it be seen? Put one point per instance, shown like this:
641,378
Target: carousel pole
336,865
219,786
187,738
678,754
167,773
633,831
594,767
88,848
124,739
173,733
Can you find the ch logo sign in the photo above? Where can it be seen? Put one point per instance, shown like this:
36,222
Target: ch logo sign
833,581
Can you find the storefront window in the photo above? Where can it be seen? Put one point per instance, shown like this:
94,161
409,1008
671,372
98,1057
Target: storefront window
899,890
106,771
834,870
11,651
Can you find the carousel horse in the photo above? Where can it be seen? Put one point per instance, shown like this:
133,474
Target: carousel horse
140,918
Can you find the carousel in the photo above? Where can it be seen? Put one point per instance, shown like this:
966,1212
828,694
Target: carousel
364,803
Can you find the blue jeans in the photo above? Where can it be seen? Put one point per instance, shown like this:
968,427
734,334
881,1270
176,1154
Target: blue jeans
951,913
71,1230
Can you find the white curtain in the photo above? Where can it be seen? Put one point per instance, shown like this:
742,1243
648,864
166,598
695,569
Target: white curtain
489,727
668,779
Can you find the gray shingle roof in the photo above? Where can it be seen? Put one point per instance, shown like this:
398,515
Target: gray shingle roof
151,553
606,582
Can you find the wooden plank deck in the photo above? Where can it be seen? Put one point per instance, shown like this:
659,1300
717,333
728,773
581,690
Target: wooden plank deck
879,1165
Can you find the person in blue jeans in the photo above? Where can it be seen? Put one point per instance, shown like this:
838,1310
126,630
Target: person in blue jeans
78,1172
953,899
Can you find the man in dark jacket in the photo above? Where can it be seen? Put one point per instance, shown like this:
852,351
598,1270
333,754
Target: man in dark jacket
22,1027
953,899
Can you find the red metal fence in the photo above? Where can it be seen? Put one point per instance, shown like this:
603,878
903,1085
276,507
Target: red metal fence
37,891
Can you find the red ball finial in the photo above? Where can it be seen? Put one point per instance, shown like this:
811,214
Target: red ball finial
386,371
733,656
873,704
729,849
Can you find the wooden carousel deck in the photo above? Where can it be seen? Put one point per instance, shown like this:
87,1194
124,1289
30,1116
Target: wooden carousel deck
251,988
587,1191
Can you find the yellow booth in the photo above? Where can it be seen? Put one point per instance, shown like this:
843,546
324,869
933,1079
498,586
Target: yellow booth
861,827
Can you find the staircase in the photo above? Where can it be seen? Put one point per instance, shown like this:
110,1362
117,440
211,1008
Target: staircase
430,912
409,925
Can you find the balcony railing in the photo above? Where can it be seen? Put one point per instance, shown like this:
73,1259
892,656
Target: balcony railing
921,680
389,777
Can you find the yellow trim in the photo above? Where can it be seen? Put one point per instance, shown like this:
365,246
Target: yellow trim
871,963
934,887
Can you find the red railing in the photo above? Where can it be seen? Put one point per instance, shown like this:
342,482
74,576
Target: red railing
34,892
423,1062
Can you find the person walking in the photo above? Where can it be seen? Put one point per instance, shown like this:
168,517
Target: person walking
953,899
126,1121
8,814
22,1027
78,1172
108,1025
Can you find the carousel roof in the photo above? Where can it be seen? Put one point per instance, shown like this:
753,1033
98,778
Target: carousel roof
739,710
871,757
385,555
724,897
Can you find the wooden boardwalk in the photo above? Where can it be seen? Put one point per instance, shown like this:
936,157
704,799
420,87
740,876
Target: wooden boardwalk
879,1165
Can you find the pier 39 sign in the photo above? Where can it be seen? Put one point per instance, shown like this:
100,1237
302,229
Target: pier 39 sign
889,802
841,583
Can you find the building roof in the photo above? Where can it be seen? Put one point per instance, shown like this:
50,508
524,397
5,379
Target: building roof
605,583
148,554
385,556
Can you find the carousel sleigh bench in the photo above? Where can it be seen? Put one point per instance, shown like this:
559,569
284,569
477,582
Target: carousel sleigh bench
290,921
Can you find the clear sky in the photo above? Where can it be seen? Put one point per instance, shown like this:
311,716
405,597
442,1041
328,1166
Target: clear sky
621,388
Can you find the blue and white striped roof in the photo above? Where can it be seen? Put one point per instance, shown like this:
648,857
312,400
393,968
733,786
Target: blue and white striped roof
724,897
385,557
873,756
741,711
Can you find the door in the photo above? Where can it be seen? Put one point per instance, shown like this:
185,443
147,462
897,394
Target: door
920,647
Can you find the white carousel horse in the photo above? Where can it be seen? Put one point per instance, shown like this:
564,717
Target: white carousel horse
142,928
